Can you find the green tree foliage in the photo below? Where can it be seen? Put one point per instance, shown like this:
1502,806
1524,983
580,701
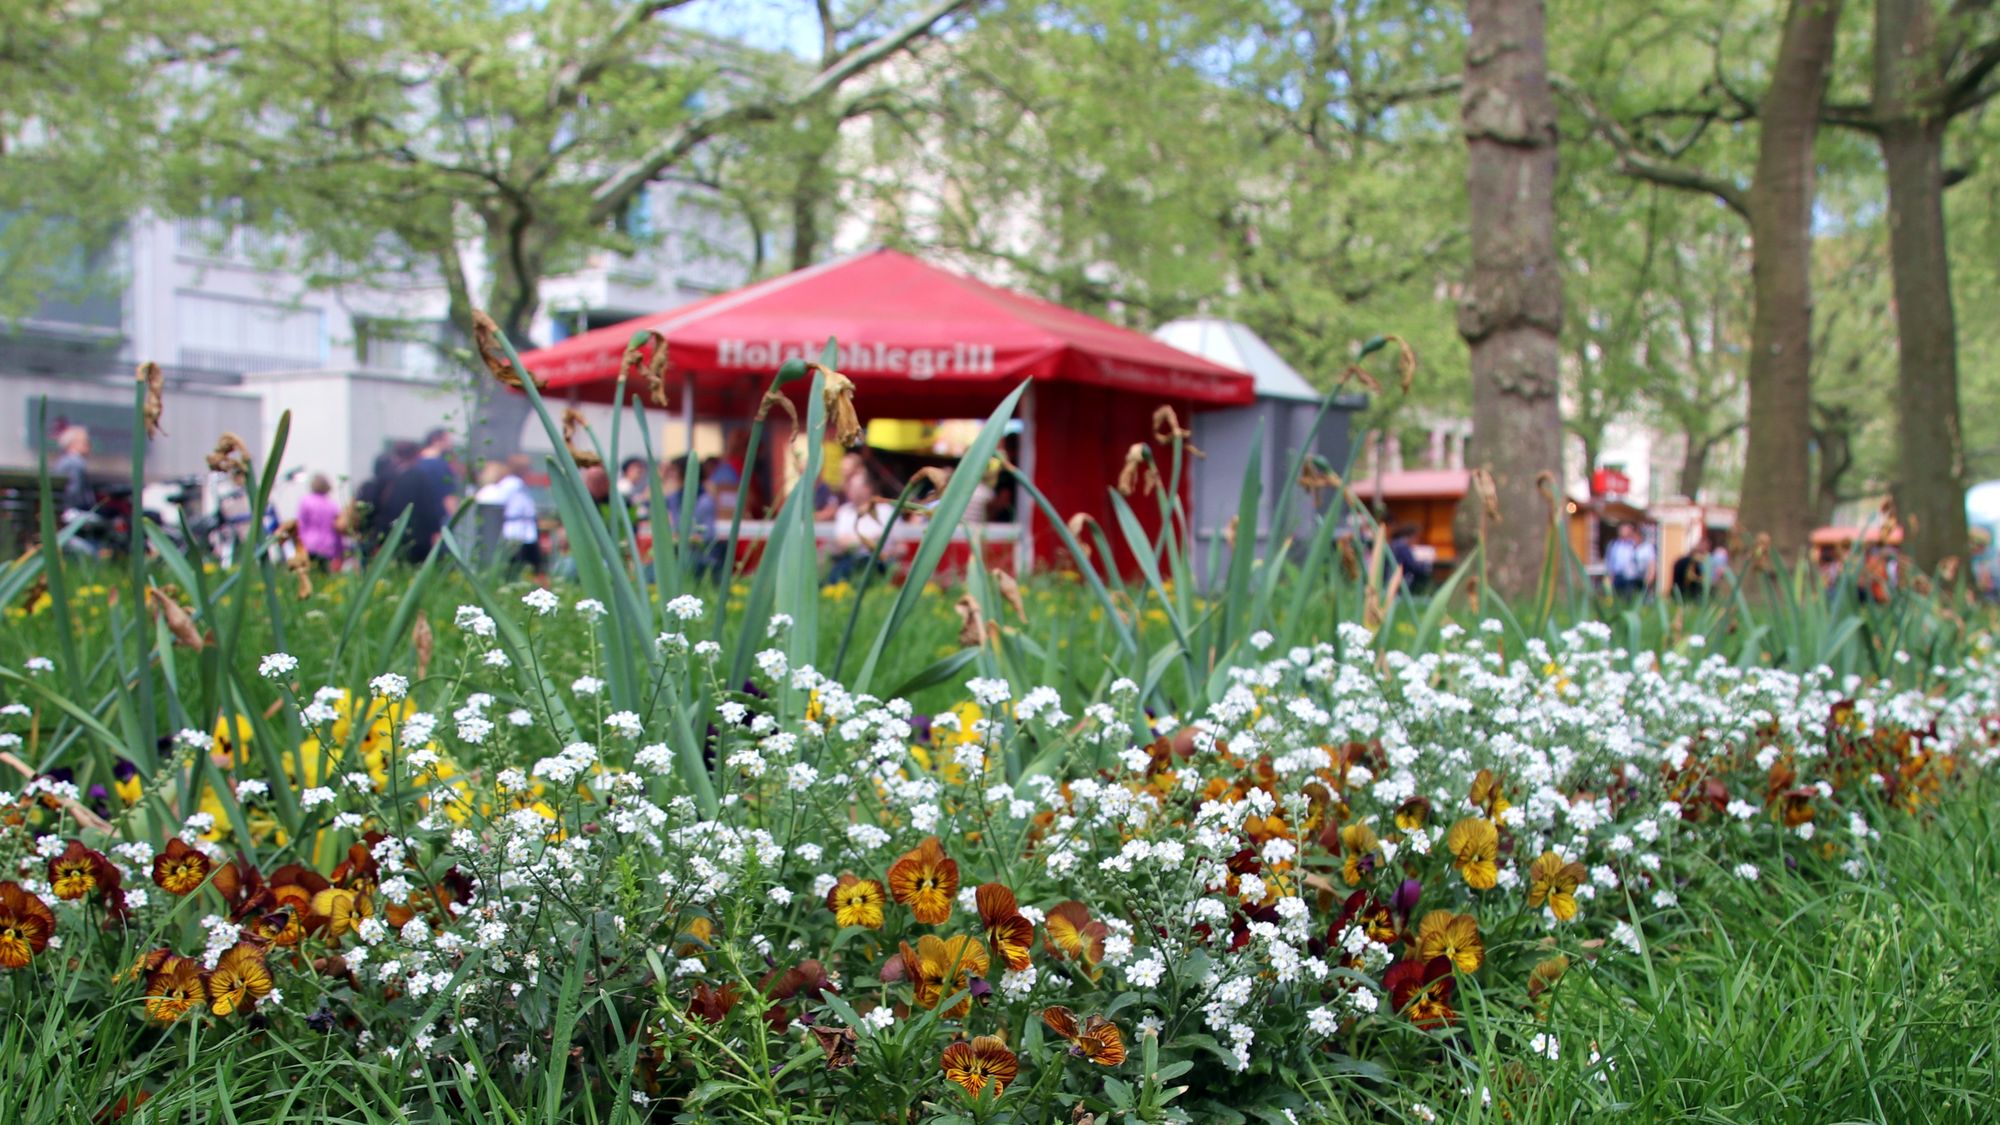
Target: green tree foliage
1290,167
394,135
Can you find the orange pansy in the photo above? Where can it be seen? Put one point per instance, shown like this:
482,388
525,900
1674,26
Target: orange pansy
925,880
984,1060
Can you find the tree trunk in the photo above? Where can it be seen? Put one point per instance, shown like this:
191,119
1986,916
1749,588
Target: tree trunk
1776,481
1694,464
1930,489
808,195
1511,314
513,298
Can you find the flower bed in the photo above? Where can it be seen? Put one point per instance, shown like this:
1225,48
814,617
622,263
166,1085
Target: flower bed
481,875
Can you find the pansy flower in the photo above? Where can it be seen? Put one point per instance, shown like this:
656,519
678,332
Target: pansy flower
939,967
174,986
240,979
1096,1038
1475,845
1454,937
26,924
985,1060
857,902
1358,845
1553,881
1009,934
1487,795
340,910
1074,934
1413,814
710,1003
1422,990
180,869
80,872
925,880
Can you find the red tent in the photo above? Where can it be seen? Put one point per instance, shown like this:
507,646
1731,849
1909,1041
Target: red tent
922,342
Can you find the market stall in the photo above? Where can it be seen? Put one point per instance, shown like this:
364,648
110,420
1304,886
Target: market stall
922,343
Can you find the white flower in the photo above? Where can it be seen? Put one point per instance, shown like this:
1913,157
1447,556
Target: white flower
277,665
390,686
989,693
778,624
1323,1020
1261,640
625,723
1746,872
39,664
1146,973
520,717
587,685
497,659
686,607
251,787
316,796
474,620
590,607
1547,1046
879,1018
542,601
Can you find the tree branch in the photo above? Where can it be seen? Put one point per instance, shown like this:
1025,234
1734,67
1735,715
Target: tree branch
1971,89
616,188
1634,162
580,71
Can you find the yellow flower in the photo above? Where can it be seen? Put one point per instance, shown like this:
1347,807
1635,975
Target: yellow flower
239,980
1553,881
1487,795
1444,934
939,967
1358,845
857,902
1474,845
174,989
343,910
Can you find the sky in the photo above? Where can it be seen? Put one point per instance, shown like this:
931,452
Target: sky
771,25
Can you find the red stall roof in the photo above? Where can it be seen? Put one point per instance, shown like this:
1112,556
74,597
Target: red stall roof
1416,484
907,331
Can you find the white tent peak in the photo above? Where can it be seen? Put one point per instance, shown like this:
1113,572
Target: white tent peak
1235,346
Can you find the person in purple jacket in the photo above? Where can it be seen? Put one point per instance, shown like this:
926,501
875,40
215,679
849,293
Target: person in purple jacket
319,531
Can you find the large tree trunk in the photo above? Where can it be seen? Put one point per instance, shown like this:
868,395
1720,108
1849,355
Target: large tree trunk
1511,314
1930,489
1776,481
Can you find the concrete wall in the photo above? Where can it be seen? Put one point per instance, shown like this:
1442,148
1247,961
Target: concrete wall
195,417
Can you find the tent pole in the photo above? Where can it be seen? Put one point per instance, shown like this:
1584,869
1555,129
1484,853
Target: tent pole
1024,544
687,414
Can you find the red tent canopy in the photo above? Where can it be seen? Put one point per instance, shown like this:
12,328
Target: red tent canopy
913,337
922,342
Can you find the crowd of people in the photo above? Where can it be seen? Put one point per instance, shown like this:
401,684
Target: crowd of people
420,484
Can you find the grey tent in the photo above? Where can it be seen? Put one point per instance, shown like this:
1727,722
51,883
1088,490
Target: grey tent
1285,406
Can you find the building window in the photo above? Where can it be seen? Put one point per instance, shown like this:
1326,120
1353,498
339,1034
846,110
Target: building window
224,334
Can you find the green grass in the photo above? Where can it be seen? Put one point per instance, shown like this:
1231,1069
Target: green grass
1786,1000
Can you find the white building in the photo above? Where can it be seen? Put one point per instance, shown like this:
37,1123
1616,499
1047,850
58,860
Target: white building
359,366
